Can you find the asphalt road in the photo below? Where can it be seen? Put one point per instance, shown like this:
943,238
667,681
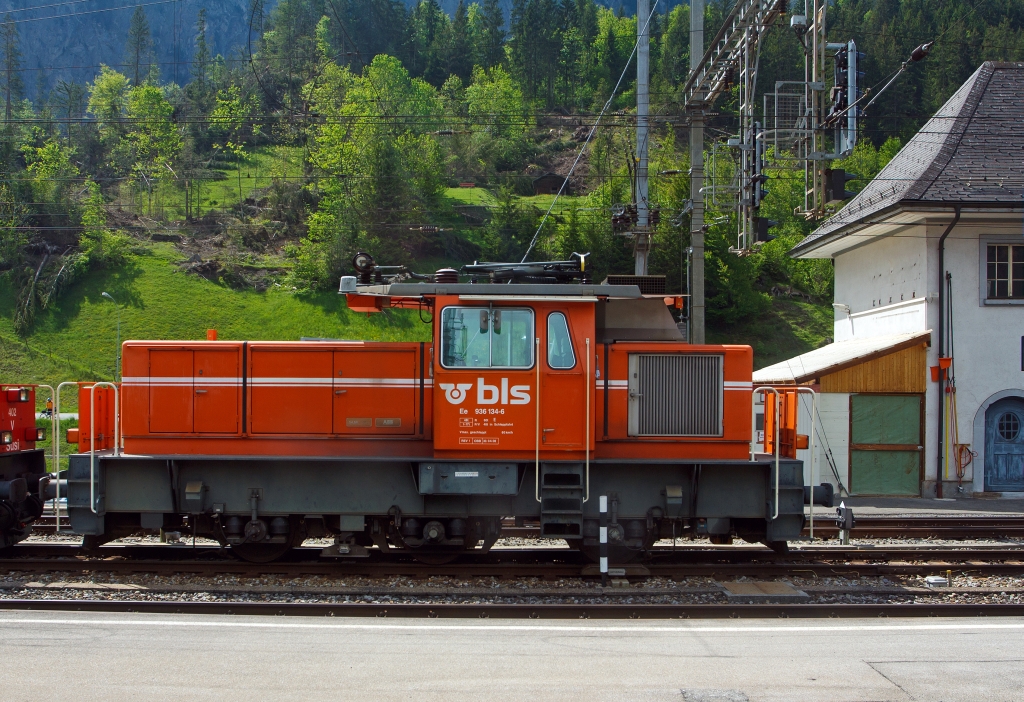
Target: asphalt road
80,656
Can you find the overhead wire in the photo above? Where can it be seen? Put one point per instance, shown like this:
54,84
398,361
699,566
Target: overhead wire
89,12
590,136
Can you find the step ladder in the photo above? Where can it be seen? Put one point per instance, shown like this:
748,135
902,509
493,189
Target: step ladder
561,500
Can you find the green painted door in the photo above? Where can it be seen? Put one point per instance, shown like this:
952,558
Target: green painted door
886,444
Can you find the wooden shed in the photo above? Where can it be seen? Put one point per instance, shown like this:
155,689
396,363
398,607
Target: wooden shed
549,184
871,410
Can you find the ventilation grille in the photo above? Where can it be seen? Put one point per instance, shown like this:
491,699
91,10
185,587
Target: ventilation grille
675,395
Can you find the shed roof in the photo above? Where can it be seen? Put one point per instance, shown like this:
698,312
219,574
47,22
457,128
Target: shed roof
837,356
968,153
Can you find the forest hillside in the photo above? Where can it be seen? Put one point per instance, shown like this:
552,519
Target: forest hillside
253,171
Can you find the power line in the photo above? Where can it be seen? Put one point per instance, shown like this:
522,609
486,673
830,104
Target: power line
43,7
90,12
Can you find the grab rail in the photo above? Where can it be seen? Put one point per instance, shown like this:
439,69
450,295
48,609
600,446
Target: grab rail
763,389
56,446
778,435
536,471
814,414
92,436
586,421
55,438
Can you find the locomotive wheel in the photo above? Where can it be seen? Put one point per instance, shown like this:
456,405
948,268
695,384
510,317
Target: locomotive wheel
260,553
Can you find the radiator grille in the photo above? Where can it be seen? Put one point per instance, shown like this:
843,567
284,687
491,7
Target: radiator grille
675,395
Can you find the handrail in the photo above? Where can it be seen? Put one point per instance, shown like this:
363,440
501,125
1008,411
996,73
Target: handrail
778,435
536,472
586,421
92,436
814,414
56,446
762,389
55,438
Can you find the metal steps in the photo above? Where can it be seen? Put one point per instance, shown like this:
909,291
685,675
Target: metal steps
561,500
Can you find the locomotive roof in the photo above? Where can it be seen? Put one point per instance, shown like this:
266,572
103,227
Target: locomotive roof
512,291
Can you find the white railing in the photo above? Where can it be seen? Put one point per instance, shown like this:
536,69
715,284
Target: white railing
763,391
92,436
56,447
814,413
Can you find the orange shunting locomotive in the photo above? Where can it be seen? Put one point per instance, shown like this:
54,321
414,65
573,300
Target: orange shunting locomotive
530,401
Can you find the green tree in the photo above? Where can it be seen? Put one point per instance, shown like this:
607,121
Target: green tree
10,71
460,61
138,47
488,23
512,226
232,123
52,170
201,63
151,141
108,101
380,164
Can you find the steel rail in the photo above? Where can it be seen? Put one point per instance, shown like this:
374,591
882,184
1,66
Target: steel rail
696,553
550,564
867,528
524,611
814,569
888,528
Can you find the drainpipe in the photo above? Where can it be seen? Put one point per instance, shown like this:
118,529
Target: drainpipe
942,343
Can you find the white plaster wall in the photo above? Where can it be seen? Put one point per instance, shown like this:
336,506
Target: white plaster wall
834,418
882,272
904,268
898,318
832,432
986,338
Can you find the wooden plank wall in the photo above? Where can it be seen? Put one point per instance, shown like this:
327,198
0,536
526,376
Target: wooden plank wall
902,371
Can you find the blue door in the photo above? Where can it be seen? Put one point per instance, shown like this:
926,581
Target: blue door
1004,446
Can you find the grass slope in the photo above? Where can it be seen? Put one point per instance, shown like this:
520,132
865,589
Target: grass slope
76,339
258,169
790,328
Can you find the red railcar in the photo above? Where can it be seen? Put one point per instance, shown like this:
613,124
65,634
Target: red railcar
22,465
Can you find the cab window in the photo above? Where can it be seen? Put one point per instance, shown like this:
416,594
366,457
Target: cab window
481,337
560,353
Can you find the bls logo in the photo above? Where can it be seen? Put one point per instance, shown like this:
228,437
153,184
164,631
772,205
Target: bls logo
487,394
455,394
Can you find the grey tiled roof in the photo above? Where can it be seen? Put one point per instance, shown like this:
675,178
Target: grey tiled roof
971,152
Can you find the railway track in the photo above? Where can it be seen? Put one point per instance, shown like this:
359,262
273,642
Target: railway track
546,564
526,611
954,528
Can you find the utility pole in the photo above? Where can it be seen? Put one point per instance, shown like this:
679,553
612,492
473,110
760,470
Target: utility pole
642,236
696,115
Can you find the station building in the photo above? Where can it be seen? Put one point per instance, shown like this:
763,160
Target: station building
922,390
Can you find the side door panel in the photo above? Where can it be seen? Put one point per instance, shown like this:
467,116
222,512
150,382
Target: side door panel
374,392
563,392
217,384
170,391
291,391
